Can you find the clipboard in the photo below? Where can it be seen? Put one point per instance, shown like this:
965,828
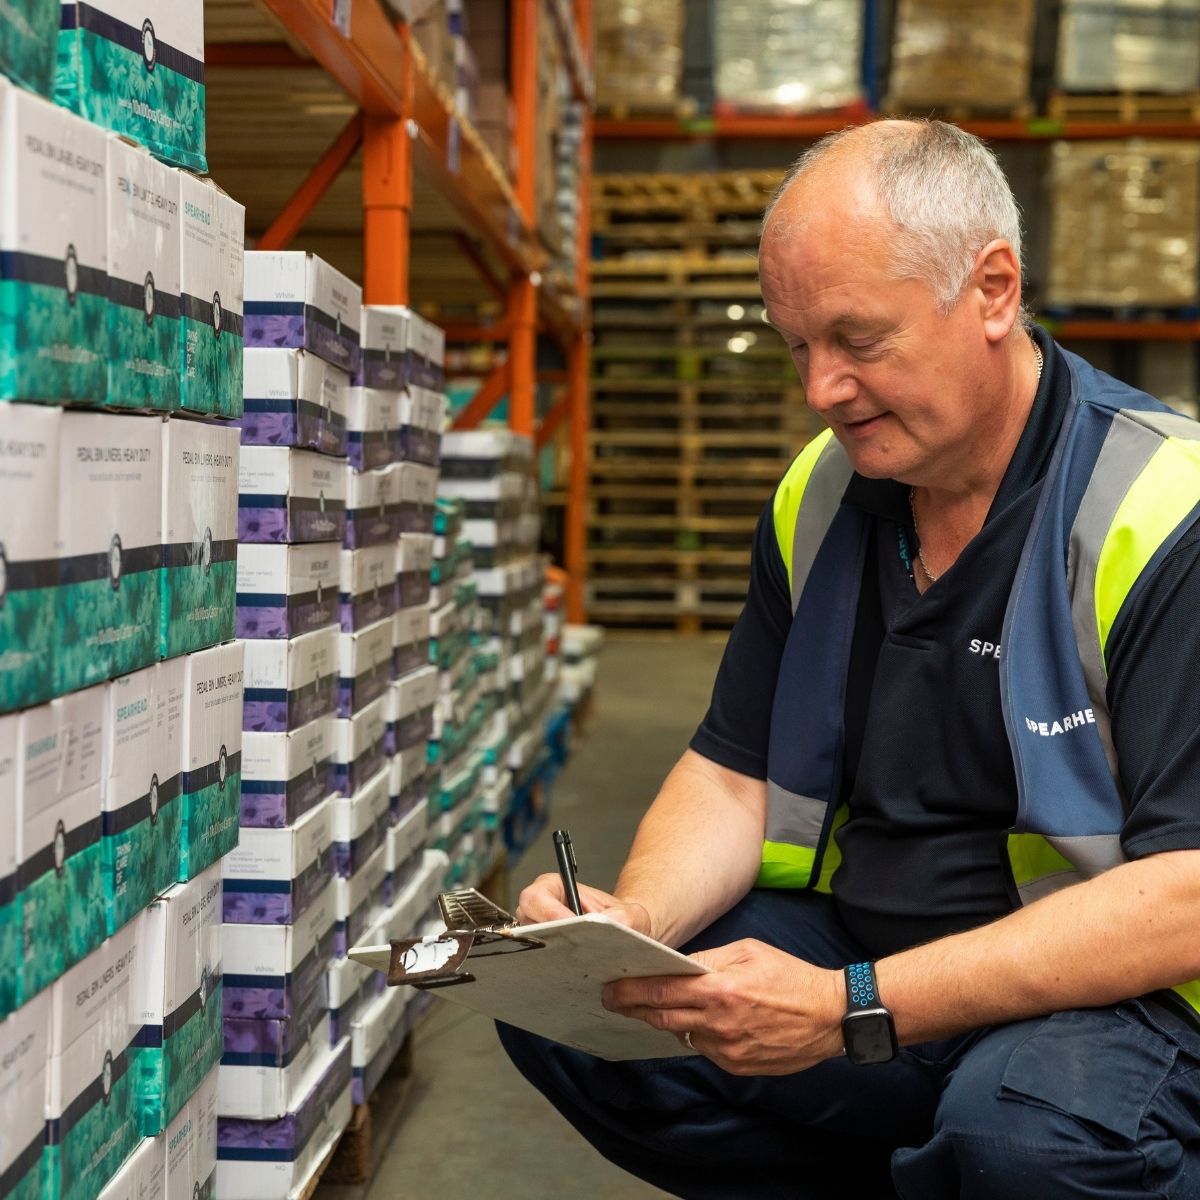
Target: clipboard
544,978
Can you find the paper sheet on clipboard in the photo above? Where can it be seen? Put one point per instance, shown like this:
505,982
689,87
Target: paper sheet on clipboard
554,990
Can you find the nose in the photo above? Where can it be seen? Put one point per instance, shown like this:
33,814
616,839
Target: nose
828,381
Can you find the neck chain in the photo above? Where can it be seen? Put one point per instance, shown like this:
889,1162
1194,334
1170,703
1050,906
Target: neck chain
912,507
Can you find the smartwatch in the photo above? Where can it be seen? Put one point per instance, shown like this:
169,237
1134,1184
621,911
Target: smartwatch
867,1028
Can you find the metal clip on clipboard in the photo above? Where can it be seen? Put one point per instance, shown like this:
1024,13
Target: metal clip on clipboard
475,928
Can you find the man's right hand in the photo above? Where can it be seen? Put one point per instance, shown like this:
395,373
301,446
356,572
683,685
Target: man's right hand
544,900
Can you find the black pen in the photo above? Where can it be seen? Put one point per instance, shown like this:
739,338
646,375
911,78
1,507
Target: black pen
565,853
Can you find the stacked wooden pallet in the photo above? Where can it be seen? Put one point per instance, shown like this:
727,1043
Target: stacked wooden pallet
696,407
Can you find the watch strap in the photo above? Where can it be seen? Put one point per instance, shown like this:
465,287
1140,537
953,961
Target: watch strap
862,990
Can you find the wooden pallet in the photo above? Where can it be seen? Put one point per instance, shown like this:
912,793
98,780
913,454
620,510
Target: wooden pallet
1126,108
956,111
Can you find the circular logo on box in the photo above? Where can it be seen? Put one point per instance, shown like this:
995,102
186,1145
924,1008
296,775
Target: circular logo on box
106,1077
149,45
3,575
222,768
60,849
71,273
153,799
206,551
218,314
114,561
148,297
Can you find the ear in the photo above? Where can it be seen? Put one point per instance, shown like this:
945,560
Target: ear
996,284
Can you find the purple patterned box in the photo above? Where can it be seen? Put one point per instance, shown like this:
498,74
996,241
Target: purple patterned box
364,666
367,586
360,747
294,399
359,899
378,1033
383,357
285,775
373,420
272,1041
284,591
290,683
373,508
342,1017
359,824
287,495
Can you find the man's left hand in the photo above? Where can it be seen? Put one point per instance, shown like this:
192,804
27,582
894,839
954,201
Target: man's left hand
760,1011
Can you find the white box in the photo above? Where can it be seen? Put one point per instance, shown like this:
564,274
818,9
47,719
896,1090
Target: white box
143,280
178,971
143,1175
358,899
410,709
418,495
360,747
284,591
212,757
407,837
410,638
287,495
93,1025
28,572
262,1092
421,408
212,240
365,662
373,507
294,399
414,553
274,875
58,836
285,774
383,362
142,787
359,824
24,1056
199,536
367,591
297,300
290,683
372,1029
54,344
10,897
192,1145
409,908
372,425
109,546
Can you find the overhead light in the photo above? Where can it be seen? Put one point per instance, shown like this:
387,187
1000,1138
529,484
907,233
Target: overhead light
738,344
735,312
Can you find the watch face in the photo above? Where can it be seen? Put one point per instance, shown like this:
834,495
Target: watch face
869,1037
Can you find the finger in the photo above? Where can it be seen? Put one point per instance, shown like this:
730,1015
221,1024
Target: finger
672,1020
652,992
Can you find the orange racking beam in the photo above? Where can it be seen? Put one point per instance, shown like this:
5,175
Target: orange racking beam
522,301
558,413
283,229
387,209
495,387
467,249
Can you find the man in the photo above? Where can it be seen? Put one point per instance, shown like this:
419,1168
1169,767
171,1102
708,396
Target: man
954,741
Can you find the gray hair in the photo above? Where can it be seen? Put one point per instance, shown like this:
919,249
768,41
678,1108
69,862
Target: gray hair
942,188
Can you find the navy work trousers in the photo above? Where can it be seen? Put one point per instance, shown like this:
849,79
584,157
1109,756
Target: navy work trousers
1099,1103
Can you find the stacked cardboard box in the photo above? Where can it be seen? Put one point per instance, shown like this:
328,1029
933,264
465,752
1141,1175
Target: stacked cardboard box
639,55
1149,46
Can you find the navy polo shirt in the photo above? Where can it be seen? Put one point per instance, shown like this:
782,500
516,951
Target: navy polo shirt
928,774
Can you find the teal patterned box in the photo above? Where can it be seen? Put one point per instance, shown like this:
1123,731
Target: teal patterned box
28,569
212,245
24,1050
137,67
179,997
143,280
109,546
58,837
28,32
212,757
10,727
199,532
143,780
92,1116
53,270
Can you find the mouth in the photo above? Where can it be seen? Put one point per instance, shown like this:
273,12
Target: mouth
865,427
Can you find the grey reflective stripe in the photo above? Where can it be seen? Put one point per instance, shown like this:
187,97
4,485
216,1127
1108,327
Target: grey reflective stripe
818,506
1091,855
1168,424
793,819
1047,885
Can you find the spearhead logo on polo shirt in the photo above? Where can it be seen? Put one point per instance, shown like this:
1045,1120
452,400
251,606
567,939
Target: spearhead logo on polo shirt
1075,720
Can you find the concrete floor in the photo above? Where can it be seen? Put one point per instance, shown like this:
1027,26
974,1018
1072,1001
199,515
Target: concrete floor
474,1129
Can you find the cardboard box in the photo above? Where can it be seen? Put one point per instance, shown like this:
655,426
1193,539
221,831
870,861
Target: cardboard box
108,546
10,896
367,593
410,709
290,683
53,243
212,755
141,795
28,33
29,639
192,1145
143,280
143,1175
286,591
285,775
414,569
359,898
178,986
374,1041
418,496
426,353
199,535
274,875
24,1055
212,241
288,495
272,970
406,785
297,1143
422,415
359,824
297,301
92,1094
351,987
372,508
360,747
264,1084
373,423
58,837
410,639
383,361
364,663
137,67
1129,47
294,399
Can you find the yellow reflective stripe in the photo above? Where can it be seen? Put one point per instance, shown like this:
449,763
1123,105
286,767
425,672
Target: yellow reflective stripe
790,492
1190,992
785,866
1032,857
832,858
1159,499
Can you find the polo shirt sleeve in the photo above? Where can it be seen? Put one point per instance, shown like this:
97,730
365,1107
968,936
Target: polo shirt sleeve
1154,698
736,728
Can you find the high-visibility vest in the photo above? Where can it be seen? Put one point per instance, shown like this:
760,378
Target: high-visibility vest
1122,487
